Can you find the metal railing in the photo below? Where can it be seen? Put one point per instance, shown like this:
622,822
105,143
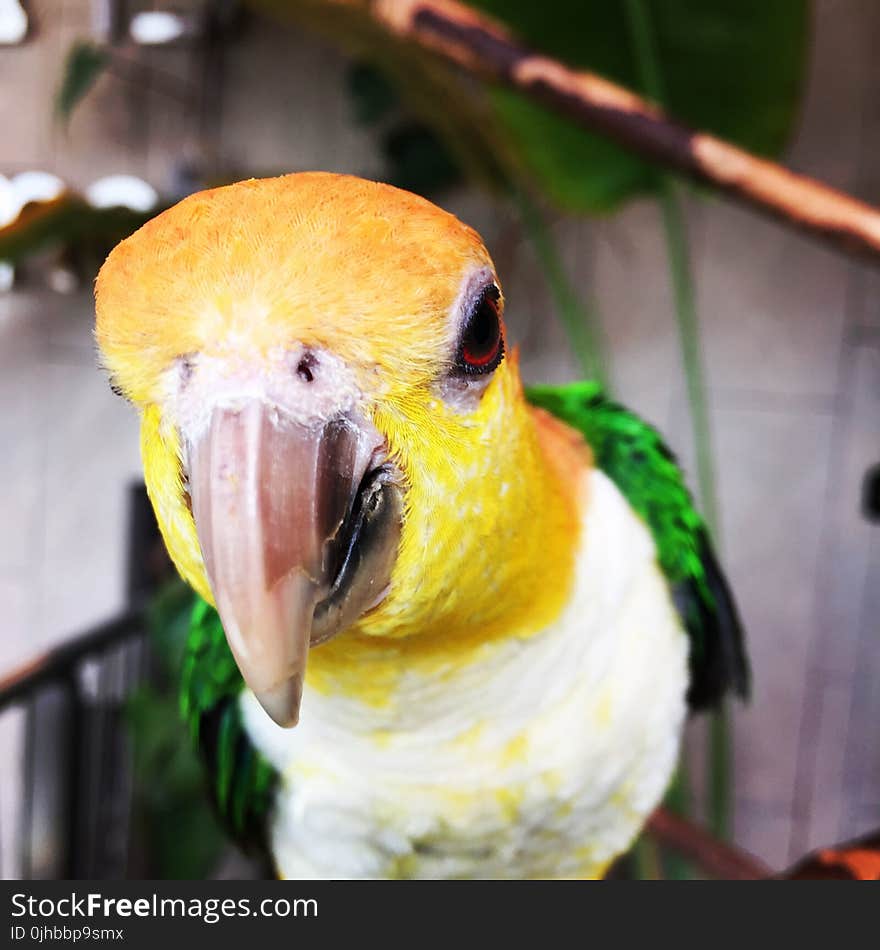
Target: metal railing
63,713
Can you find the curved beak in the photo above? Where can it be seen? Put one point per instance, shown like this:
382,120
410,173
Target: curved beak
299,531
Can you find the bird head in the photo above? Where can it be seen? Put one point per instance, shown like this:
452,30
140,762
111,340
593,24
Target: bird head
332,436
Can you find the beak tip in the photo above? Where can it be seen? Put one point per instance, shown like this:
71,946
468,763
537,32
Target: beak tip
282,702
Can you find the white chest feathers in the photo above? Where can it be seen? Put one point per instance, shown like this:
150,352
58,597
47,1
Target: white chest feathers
541,759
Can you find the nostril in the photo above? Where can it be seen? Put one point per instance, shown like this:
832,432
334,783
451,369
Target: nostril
306,367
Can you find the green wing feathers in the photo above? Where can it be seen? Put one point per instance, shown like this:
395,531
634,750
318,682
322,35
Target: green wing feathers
243,782
633,455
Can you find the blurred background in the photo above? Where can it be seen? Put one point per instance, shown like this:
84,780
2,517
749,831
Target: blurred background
127,106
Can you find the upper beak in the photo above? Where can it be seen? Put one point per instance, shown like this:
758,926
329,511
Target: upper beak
299,528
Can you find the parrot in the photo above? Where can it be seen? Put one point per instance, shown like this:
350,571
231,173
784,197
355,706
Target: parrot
446,625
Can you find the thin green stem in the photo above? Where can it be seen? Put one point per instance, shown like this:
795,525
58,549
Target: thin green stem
581,324
678,801
647,860
720,773
675,229
642,35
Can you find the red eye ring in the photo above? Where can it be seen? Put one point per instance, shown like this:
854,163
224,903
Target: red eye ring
482,342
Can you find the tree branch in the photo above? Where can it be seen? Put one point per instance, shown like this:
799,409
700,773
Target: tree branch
480,45
715,857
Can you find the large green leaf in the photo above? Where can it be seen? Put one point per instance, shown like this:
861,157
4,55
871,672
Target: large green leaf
733,67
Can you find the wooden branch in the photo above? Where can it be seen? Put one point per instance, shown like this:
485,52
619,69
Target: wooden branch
857,860
715,857
480,45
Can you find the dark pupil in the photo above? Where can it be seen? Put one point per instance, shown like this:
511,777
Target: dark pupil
483,329
482,334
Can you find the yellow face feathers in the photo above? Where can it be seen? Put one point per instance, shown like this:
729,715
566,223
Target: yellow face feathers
163,474
487,550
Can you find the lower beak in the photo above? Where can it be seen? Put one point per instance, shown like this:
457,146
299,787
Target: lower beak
298,530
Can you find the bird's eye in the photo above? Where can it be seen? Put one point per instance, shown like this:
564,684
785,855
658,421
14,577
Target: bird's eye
482,344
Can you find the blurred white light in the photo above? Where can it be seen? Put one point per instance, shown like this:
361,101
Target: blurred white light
62,280
154,27
9,205
9,209
16,192
37,186
13,22
122,191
